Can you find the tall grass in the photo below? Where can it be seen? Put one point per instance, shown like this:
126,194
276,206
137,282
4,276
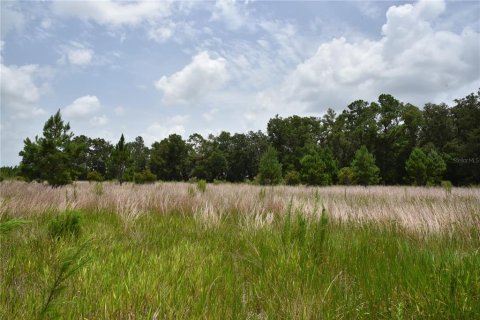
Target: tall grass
420,210
229,253
173,266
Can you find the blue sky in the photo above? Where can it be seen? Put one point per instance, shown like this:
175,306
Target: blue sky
155,68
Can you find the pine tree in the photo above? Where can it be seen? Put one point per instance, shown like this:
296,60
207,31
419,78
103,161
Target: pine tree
365,172
120,159
270,169
436,168
318,167
416,167
49,157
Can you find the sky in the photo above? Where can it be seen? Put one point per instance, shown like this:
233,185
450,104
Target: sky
156,68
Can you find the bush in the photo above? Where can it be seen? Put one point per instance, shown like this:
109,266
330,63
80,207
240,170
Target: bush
144,177
202,185
65,225
94,176
345,176
292,178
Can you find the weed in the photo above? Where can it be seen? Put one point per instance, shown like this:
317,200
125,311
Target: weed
73,260
202,185
65,225
447,186
10,225
98,189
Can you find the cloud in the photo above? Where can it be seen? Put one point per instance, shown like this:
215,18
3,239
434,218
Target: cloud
113,13
11,19
98,121
195,81
162,33
368,9
76,54
229,13
160,130
82,107
19,90
411,61
81,57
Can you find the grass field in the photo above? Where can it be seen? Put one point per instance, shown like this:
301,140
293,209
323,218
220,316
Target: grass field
170,250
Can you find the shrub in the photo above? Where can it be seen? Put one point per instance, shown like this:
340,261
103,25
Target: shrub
94,176
345,176
65,225
144,177
149,176
292,178
202,185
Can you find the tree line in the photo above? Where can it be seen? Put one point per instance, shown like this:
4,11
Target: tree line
382,142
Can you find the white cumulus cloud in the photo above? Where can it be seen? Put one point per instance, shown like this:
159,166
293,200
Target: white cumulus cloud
412,61
195,81
20,91
82,107
76,53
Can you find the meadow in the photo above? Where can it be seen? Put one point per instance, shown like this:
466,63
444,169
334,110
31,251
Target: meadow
228,251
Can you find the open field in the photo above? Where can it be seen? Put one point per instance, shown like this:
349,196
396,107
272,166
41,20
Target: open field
170,250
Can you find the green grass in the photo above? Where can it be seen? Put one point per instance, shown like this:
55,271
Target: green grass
175,266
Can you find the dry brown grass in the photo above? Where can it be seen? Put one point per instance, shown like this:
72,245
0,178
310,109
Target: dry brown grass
423,210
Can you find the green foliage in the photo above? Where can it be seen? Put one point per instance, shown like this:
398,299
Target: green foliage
234,271
94,176
10,225
73,261
98,189
8,173
139,155
416,167
363,167
289,136
345,176
318,167
65,225
292,178
436,167
447,186
120,160
49,157
424,168
202,185
144,177
390,129
168,159
270,170
99,153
